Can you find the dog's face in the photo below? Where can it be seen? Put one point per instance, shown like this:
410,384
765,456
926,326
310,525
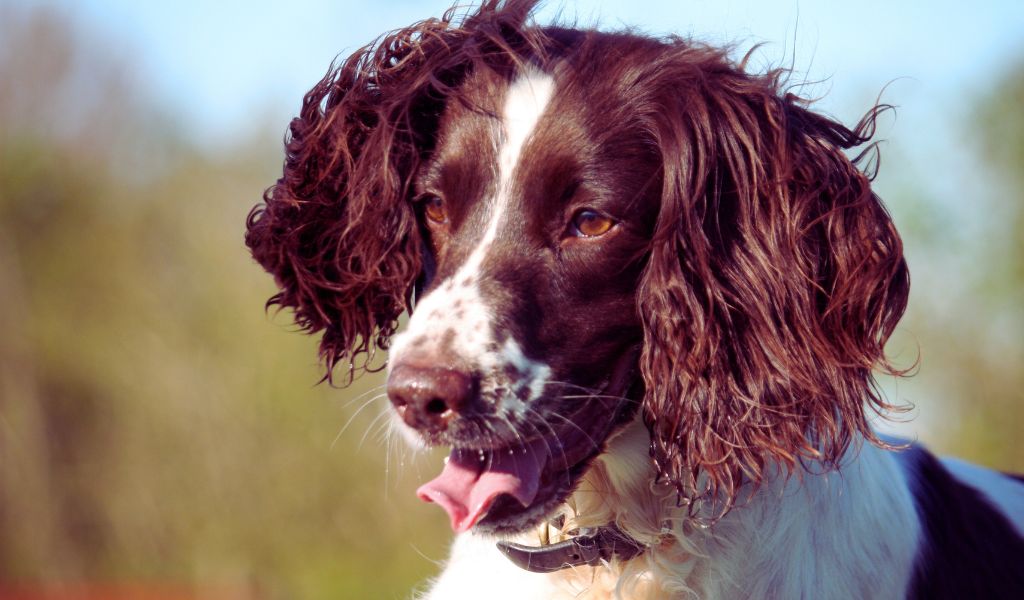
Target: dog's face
521,350
594,224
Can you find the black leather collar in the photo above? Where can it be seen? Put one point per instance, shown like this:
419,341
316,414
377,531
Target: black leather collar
590,547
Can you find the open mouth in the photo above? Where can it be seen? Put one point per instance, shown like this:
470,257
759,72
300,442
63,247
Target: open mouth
512,488
506,488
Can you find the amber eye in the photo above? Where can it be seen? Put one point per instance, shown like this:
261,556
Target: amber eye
590,223
433,207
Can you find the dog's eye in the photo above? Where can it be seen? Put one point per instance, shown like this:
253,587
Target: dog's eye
433,207
590,223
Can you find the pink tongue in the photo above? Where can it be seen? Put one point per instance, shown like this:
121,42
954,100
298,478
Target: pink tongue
468,486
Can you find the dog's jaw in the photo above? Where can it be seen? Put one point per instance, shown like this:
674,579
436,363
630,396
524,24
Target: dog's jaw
511,489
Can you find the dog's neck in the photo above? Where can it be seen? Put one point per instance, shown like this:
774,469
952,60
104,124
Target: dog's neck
774,544
848,527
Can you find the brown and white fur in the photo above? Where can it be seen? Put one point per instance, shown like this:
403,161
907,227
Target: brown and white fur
651,289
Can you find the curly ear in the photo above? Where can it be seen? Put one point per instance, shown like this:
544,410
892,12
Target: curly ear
775,278
338,231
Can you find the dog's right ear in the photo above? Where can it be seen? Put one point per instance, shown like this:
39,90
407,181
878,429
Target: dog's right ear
339,230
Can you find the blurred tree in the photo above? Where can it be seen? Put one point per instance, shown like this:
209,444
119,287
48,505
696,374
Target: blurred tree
966,314
1001,118
986,359
153,425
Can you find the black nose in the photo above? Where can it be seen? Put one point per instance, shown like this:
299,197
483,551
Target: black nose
429,398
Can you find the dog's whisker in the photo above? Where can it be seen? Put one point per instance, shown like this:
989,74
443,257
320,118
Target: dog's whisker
623,399
548,440
352,418
515,430
383,430
573,425
374,423
388,438
373,390
422,555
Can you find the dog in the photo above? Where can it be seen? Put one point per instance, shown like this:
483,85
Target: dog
648,291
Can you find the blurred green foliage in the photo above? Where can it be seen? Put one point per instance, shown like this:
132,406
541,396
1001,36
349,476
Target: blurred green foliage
978,356
156,425
965,320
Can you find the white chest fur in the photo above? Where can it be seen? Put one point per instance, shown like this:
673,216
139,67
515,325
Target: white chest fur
847,534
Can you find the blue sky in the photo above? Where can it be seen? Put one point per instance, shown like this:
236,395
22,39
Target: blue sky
221,65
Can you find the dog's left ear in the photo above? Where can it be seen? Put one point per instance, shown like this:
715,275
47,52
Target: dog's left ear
775,278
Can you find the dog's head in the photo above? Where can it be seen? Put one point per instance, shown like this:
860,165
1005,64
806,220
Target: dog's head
592,224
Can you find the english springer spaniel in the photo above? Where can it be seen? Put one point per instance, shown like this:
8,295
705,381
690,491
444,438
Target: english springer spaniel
648,290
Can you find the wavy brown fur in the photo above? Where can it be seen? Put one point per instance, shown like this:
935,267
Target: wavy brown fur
338,230
774,276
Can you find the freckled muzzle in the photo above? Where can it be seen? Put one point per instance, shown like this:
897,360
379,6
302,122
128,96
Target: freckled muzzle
503,482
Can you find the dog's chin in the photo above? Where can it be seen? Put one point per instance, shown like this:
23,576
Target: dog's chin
561,475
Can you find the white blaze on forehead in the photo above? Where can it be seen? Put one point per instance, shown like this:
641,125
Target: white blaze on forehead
456,310
525,103
527,99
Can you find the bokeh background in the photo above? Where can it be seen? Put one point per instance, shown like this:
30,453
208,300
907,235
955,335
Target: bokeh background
161,436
